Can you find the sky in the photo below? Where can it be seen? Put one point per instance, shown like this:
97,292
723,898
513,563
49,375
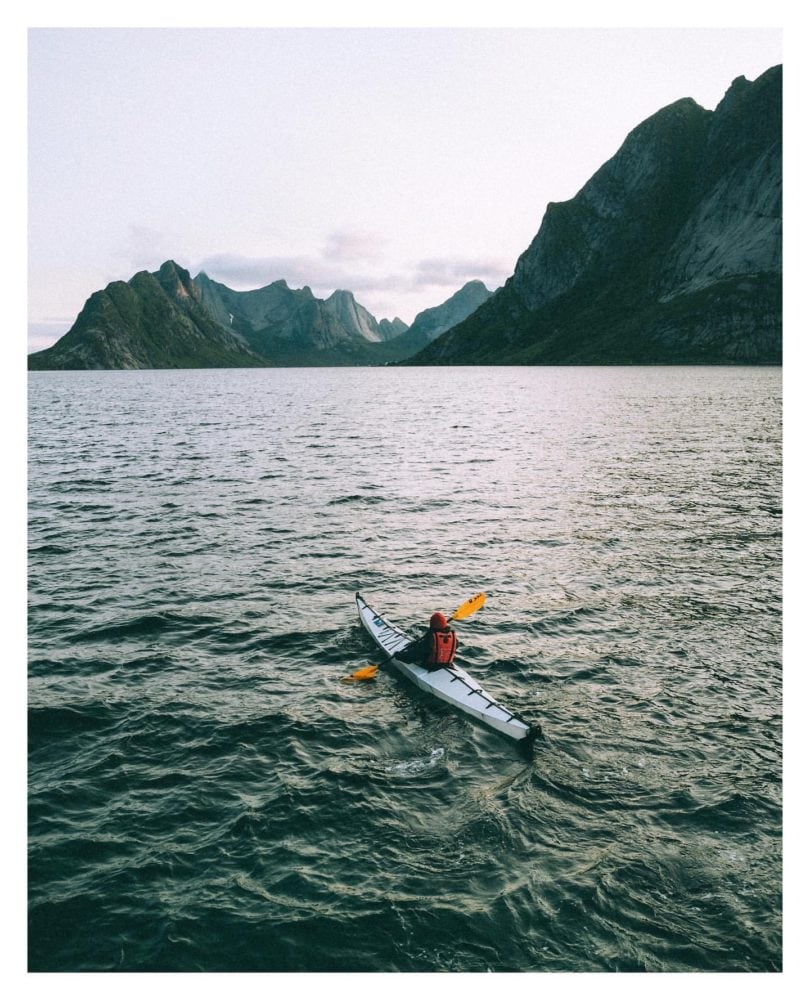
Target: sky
397,163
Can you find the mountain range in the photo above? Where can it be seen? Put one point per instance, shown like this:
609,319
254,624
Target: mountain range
167,319
670,254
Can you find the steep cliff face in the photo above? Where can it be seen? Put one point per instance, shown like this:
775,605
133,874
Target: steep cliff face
278,313
735,226
671,253
152,321
616,218
277,322
431,323
355,318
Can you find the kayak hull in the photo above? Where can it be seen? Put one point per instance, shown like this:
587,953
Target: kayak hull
451,684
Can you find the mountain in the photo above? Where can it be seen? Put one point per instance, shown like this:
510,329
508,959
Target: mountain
431,323
391,328
151,321
354,317
288,326
169,320
670,253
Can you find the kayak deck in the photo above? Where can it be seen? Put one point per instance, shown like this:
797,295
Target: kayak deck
451,684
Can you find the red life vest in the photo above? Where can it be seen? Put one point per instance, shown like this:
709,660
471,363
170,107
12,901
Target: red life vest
443,648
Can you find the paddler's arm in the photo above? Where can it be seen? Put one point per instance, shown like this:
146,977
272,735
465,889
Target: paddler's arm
416,651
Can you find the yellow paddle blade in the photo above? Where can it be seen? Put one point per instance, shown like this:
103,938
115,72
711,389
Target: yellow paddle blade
469,607
363,674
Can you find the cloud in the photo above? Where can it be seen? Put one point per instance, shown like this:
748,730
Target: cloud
347,260
456,271
353,245
332,272
243,272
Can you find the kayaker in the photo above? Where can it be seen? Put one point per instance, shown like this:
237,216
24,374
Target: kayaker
436,648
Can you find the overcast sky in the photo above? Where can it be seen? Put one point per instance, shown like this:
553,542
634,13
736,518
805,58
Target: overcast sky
396,163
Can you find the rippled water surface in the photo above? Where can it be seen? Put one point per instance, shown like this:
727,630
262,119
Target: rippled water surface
205,793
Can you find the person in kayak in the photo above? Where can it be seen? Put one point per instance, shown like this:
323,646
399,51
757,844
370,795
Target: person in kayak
436,648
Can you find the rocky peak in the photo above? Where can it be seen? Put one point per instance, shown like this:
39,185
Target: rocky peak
431,323
345,308
746,122
624,211
393,327
175,281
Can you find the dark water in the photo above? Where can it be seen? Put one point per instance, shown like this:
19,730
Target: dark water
205,794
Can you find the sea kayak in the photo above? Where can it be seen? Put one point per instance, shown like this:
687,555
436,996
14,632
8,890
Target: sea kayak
451,683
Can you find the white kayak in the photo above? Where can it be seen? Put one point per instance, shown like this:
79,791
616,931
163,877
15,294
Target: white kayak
451,683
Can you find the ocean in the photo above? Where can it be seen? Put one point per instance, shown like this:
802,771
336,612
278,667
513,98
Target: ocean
205,792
